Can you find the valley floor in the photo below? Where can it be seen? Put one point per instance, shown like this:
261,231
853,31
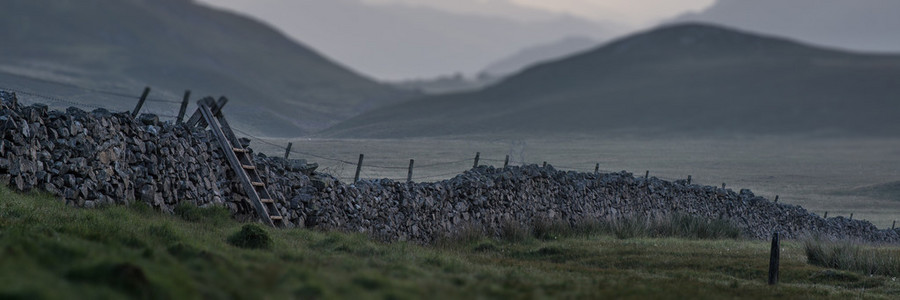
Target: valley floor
52,251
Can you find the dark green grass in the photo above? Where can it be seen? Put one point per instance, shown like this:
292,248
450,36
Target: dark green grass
852,256
48,250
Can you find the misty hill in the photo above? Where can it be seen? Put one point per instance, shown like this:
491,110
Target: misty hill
277,86
889,191
869,25
683,79
537,54
393,40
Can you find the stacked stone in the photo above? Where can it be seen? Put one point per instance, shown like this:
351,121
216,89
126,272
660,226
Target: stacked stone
488,198
96,158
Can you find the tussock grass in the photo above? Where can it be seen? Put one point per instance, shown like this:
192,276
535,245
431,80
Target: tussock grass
853,256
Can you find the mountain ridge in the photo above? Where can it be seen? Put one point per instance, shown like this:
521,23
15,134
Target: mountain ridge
632,85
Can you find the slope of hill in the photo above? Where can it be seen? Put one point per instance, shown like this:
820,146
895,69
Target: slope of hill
394,40
868,25
278,87
537,54
682,79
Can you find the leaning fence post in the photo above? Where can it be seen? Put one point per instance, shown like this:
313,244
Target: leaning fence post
477,157
894,226
184,103
140,103
506,161
776,198
358,168
409,175
647,175
287,151
774,259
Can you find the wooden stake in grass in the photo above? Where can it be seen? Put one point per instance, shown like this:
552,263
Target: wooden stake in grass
647,175
826,215
358,168
776,198
774,258
506,162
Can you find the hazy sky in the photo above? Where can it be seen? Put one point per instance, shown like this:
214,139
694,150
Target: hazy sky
625,12
403,39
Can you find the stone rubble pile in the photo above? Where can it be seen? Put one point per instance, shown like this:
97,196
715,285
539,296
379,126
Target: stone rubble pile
96,158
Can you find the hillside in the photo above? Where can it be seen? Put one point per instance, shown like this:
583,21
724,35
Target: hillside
682,79
538,54
51,251
278,86
867,25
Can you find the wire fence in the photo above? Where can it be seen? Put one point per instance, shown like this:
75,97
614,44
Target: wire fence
341,168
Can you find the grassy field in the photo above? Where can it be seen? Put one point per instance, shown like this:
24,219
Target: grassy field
814,173
52,251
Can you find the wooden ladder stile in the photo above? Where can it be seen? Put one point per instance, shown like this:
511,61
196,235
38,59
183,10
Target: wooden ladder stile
242,163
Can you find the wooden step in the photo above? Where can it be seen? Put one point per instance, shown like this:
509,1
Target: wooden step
260,184
266,200
241,150
248,167
276,218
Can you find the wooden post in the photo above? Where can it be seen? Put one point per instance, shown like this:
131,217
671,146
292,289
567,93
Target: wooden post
774,259
477,157
597,169
689,179
894,226
506,162
409,175
826,215
184,103
647,175
851,216
358,168
776,198
287,151
140,103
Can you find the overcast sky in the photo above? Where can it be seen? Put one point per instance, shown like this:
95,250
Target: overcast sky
625,12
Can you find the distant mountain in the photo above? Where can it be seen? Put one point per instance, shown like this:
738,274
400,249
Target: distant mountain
396,41
277,86
868,25
537,54
682,79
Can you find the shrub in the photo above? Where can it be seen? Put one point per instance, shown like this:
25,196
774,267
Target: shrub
852,256
213,214
251,236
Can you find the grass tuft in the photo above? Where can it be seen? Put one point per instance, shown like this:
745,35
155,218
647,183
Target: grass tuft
211,215
852,256
251,236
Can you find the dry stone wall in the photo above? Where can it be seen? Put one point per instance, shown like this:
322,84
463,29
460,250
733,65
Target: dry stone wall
96,158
